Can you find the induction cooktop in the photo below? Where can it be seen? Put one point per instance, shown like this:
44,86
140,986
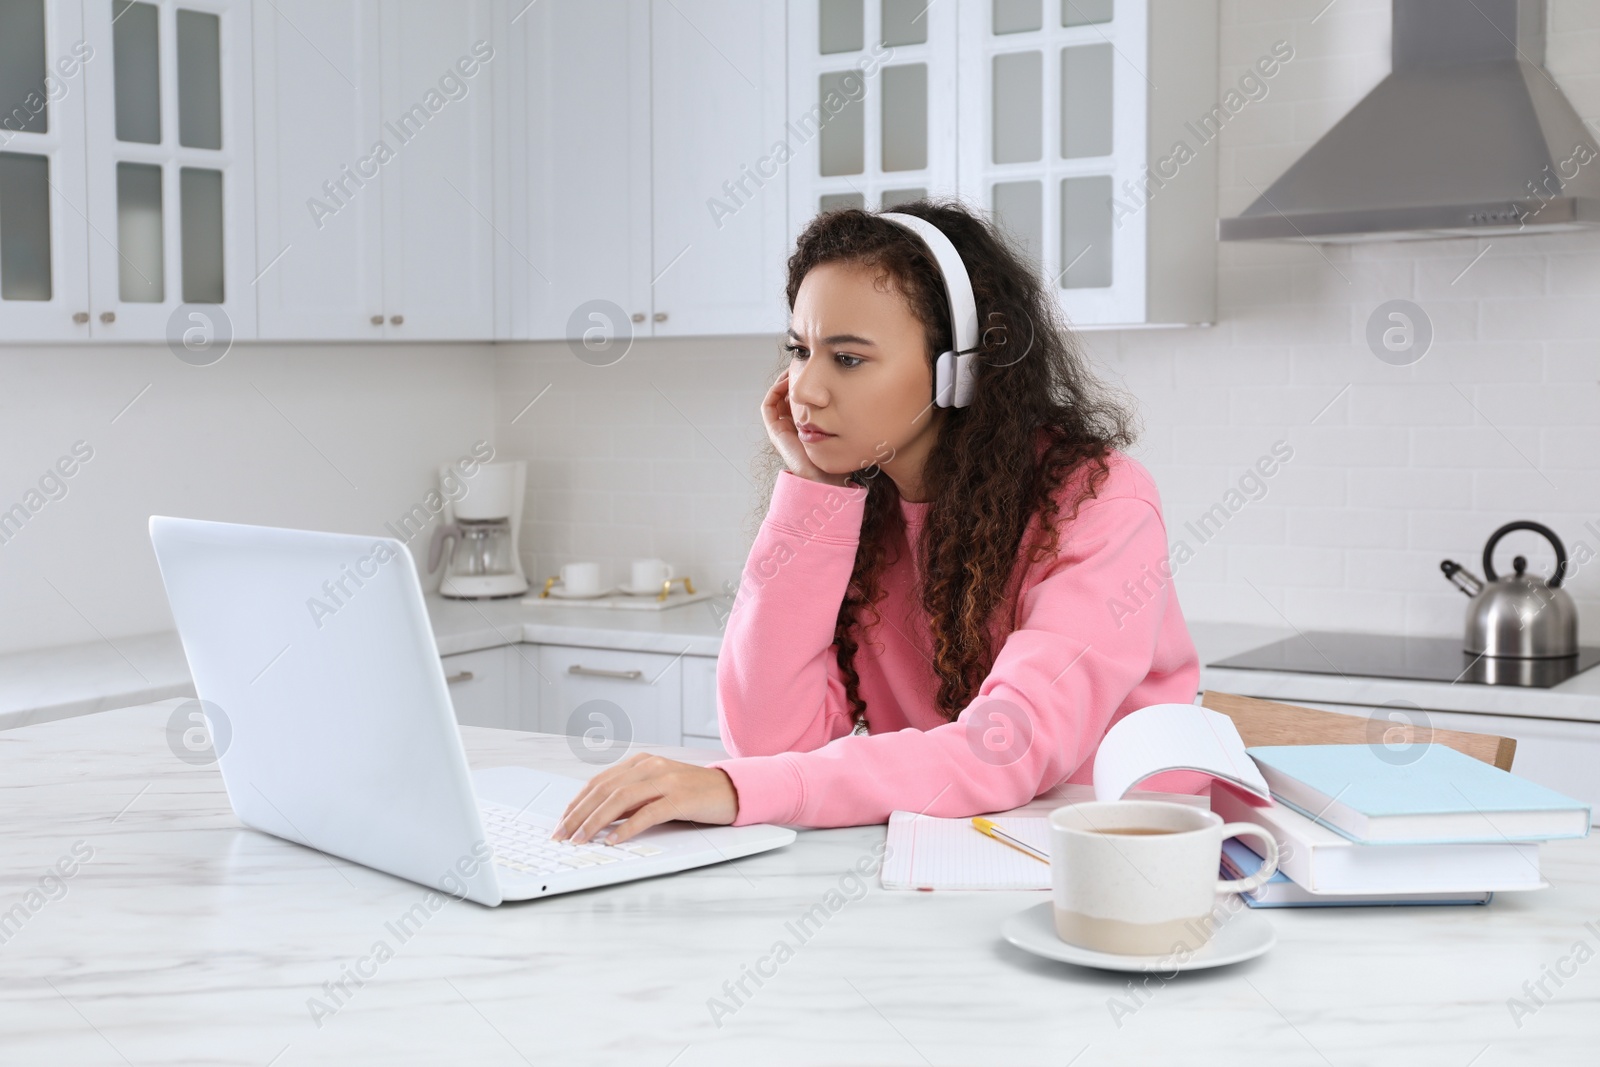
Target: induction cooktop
1428,659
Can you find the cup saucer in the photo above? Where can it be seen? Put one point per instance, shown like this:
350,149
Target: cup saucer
649,590
1242,936
558,591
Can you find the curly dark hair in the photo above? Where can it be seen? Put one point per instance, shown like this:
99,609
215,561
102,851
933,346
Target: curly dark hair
1037,416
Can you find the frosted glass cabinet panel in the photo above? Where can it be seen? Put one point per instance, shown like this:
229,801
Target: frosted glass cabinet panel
871,91
141,269
169,167
24,227
44,240
24,103
1065,104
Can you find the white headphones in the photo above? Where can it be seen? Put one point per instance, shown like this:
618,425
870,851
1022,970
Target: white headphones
953,371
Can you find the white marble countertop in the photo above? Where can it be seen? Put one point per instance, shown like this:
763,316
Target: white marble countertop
187,938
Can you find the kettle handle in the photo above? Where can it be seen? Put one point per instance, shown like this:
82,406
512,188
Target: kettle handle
443,532
1538,528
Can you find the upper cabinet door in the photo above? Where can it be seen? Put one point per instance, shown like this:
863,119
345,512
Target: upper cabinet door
582,173
320,164
439,63
44,271
872,92
1065,107
720,175
170,185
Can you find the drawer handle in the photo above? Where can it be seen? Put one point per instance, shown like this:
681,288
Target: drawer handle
459,676
599,672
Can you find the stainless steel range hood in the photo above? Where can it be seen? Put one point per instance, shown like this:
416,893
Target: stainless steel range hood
1468,135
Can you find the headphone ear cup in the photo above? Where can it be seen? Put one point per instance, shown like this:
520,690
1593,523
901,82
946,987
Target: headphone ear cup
944,373
965,378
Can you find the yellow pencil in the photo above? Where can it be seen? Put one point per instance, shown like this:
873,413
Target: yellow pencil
987,826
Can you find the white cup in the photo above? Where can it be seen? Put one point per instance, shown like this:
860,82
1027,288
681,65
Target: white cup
1149,889
581,579
650,573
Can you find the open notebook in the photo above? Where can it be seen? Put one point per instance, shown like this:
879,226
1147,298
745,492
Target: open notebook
926,852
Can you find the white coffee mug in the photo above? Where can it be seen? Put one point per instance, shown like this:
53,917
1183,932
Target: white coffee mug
581,579
650,573
1139,877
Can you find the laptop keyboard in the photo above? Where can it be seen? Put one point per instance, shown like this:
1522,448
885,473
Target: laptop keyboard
522,843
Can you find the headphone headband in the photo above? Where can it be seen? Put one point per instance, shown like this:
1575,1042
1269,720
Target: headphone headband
953,371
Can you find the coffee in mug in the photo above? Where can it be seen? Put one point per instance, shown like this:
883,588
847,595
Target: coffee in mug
1139,877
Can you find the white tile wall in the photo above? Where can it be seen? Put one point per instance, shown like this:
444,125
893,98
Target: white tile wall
1394,468
331,437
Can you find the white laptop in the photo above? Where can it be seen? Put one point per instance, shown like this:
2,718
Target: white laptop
323,692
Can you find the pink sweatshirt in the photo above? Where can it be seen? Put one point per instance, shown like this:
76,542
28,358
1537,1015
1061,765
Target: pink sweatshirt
1095,634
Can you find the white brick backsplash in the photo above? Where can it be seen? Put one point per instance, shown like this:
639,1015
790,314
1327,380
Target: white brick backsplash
1355,527
1406,489
1396,473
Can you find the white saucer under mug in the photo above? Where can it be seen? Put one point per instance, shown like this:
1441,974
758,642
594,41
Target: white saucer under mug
653,590
1243,935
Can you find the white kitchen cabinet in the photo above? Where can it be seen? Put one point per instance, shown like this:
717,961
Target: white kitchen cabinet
484,687
1071,114
581,75
1049,114
145,143
654,200
44,232
617,695
718,188
873,104
375,128
1559,754
701,729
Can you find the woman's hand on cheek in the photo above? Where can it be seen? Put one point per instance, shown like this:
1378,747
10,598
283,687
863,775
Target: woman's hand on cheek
779,420
647,790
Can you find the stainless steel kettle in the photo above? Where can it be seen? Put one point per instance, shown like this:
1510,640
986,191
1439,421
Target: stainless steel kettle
1520,616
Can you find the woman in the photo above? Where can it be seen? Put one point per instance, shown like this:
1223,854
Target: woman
945,608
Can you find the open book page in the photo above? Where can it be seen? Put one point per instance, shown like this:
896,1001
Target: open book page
1167,737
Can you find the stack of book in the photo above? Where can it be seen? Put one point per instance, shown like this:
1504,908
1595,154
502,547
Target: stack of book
1355,825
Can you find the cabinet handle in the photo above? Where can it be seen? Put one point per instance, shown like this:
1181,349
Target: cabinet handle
80,317
459,676
397,320
108,317
599,672
638,316
661,316
377,320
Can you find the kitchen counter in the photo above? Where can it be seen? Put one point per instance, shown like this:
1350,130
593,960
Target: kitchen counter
1577,699
187,938
56,683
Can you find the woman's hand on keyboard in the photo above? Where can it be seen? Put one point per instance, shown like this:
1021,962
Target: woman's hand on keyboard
647,790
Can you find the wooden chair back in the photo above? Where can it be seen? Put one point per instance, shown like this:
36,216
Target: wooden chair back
1263,722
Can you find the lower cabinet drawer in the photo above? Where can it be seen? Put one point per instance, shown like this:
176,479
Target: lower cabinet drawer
611,697
700,698
480,686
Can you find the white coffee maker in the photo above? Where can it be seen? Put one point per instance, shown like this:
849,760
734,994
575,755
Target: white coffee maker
482,528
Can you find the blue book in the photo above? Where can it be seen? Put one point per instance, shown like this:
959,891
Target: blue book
1363,793
1281,891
